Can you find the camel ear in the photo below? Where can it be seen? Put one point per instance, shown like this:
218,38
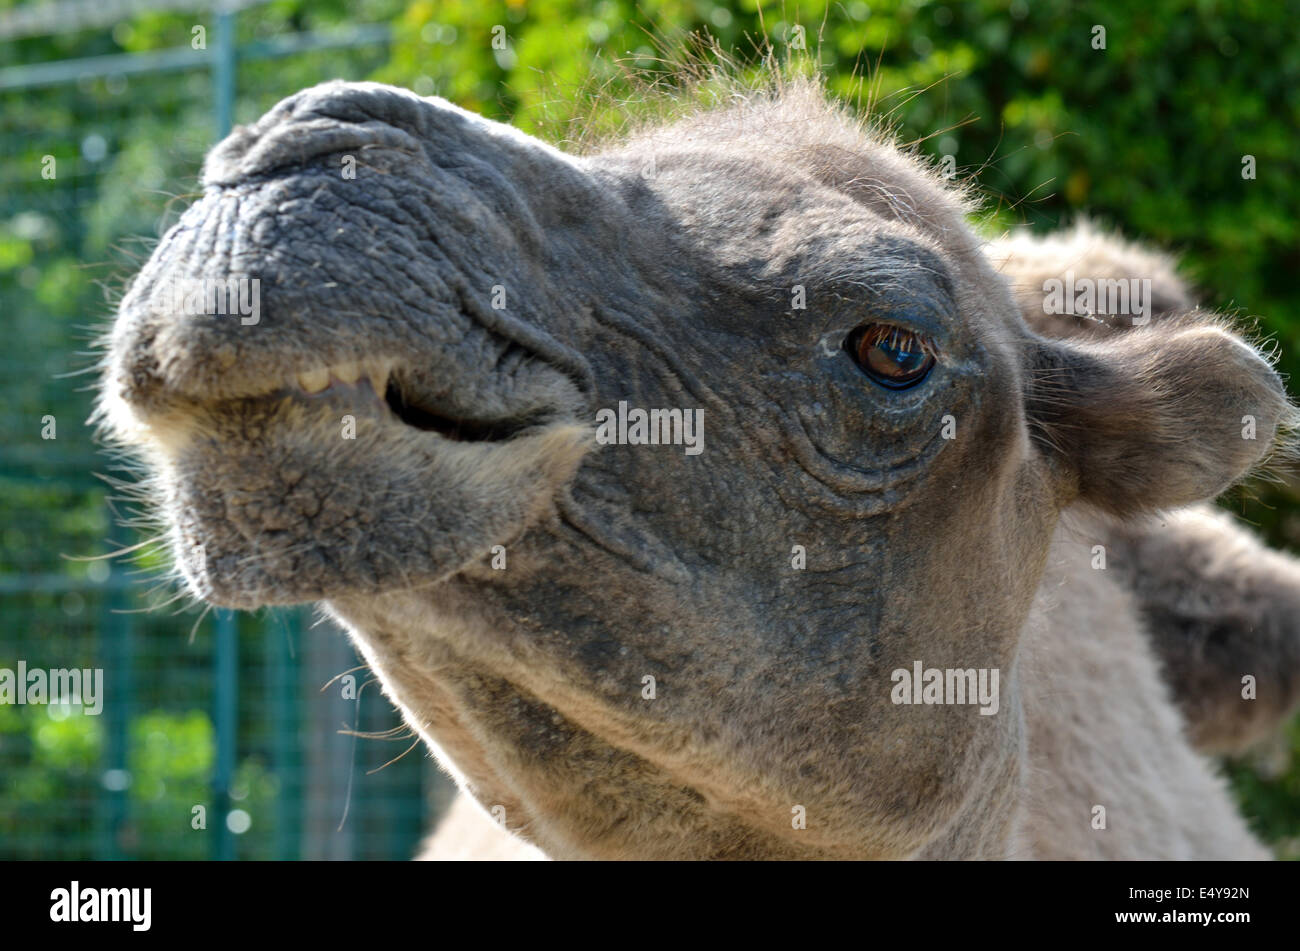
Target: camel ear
1159,417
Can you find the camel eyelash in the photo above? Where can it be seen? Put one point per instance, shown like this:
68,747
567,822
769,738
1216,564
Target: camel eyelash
899,338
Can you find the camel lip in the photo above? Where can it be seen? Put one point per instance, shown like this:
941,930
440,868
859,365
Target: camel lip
391,392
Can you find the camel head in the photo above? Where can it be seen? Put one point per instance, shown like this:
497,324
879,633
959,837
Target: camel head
428,403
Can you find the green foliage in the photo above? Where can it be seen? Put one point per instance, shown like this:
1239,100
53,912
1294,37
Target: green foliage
173,750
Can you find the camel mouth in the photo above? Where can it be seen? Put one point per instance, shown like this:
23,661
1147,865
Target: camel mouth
360,477
383,388
411,411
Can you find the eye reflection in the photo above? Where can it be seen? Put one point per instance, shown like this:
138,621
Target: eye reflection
892,356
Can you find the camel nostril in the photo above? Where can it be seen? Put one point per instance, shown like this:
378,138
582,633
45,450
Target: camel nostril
320,124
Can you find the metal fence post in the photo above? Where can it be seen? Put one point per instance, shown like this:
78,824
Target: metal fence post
282,644
226,720
118,657
223,70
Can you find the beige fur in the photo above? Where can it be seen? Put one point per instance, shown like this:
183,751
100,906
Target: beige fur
1091,675
466,833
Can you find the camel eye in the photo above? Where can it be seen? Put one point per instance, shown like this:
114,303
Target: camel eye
891,356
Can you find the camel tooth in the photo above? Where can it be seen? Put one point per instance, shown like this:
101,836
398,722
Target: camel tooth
347,372
378,379
313,381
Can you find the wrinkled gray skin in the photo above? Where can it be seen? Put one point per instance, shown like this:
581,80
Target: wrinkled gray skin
666,289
